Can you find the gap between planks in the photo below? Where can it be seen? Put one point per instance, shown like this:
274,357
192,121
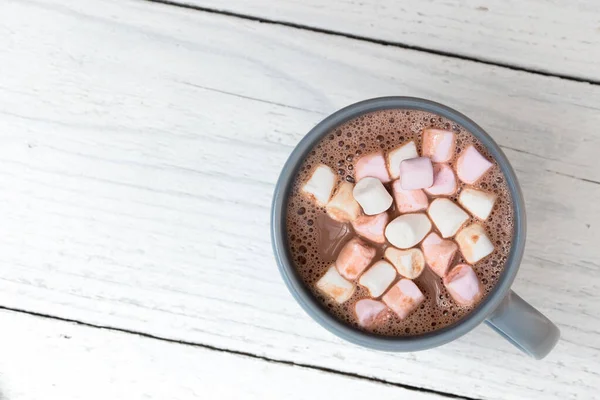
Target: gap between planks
375,41
238,352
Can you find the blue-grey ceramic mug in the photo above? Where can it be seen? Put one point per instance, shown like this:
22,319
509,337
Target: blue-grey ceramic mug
502,309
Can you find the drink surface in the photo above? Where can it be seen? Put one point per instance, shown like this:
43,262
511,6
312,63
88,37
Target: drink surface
315,239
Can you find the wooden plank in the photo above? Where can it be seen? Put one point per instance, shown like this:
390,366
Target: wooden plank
138,160
557,37
49,359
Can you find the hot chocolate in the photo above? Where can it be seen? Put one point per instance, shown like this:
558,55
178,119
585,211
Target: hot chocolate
399,222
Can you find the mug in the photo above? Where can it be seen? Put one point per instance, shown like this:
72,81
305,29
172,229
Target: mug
502,309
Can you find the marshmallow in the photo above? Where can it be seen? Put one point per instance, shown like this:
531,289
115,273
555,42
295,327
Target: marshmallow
444,181
409,200
438,144
320,184
474,243
447,216
471,165
438,253
378,278
407,230
342,207
335,286
396,156
403,298
372,196
477,202
354,257
463,285
409,263
370,312
372,165
416,173
371,226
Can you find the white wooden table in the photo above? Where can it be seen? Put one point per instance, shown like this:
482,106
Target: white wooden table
139,146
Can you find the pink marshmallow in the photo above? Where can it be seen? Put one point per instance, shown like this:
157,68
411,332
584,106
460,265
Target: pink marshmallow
354,258
438,253
409,200
438,144
471,165
370,313
444,181
372,165
403,298
416,173
371,227
463,285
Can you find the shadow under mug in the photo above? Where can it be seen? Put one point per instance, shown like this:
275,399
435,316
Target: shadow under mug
502,309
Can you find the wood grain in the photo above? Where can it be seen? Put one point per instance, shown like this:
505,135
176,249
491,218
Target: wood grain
49,359
141,144
557,37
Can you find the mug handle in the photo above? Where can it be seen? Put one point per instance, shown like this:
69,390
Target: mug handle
524,326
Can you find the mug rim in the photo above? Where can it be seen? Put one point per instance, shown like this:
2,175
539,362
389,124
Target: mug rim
310,303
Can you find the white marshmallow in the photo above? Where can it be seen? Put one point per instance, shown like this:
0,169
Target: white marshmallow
477,202
372,196
378,278
396,156
447,216
474,244
335,286
320,184
407,230
342,207
409,263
